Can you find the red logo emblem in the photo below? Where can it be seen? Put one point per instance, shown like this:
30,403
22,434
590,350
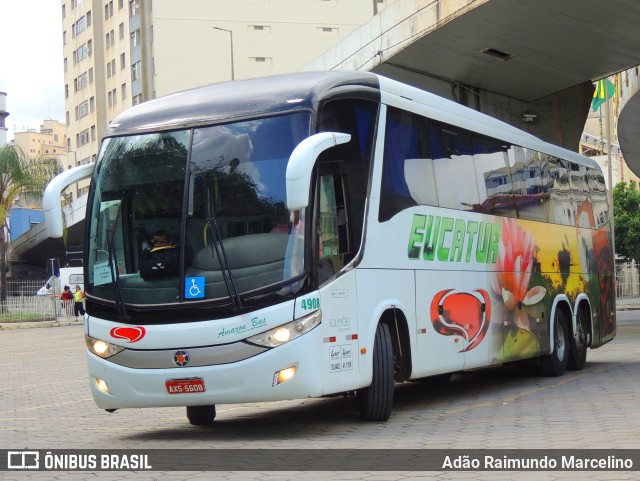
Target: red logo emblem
466,314
131,334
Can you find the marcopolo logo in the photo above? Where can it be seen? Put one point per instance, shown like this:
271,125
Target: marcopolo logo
181,358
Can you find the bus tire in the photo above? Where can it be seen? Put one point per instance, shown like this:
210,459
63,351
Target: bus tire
578,344
376,401
201,415
555,363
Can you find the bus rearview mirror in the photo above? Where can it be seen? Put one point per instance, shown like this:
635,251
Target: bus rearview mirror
301,163
51,198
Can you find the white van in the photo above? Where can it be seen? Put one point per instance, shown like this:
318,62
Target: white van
69,276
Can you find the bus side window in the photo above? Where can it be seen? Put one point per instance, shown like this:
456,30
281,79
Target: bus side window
349,166
332,226
407,170
493,176
528,184
453,166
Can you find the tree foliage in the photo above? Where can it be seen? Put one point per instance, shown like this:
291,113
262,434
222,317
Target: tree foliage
19,174
626,211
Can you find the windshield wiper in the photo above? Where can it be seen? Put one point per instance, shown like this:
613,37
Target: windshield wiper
218,245
121,309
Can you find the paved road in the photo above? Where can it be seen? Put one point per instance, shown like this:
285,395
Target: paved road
45,404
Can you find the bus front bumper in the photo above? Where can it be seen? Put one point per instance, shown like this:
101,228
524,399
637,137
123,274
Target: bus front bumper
250,380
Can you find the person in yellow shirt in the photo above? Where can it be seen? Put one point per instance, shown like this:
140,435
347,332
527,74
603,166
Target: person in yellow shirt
78,297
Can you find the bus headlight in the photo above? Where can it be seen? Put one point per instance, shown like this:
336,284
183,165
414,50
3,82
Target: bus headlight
101,348
285,333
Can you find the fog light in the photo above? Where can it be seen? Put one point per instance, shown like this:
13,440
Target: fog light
284,375
102,385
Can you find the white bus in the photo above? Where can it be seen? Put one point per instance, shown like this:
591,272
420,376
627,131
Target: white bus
326,233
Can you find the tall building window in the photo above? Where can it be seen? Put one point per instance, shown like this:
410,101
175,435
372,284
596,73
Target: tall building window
135,38
91,75
108,10
83,138
80,54
82,81
89,18
121,31
124,91
82,110
78,27
123,61
134,7
92,104
136,71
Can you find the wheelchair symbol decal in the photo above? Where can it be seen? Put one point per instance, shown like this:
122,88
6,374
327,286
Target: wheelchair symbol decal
194,288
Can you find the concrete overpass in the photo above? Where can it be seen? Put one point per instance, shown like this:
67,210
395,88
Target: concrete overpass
506,58
35,246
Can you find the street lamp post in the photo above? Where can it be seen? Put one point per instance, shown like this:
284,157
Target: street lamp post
231,39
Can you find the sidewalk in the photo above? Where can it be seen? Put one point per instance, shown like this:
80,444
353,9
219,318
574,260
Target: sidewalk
60,321
628,304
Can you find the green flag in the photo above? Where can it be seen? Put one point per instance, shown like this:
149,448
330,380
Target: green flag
604,91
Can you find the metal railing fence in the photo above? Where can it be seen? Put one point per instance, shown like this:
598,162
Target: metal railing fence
24,305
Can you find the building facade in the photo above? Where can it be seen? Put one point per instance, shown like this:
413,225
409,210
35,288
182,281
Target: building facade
118,53
594,142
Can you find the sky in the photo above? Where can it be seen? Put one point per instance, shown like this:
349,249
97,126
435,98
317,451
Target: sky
31,70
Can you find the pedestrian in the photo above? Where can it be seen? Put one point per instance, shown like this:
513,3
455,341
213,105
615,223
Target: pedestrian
66,301
78,298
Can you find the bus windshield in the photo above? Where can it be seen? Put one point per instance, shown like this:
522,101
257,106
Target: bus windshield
196,214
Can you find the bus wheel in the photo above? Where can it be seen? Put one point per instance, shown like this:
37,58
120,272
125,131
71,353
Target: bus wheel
555,363
201,415
578,344
376,400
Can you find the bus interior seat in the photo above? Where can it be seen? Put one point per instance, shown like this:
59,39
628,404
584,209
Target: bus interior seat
257,260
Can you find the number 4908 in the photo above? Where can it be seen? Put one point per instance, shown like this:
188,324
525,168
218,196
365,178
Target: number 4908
313,303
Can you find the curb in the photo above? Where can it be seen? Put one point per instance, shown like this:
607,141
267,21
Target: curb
8,326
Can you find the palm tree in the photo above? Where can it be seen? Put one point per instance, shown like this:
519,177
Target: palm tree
19,174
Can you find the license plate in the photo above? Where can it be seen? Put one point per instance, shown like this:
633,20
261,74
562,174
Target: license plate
185,386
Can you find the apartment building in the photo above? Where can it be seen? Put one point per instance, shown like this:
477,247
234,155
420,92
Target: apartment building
49,141
118,53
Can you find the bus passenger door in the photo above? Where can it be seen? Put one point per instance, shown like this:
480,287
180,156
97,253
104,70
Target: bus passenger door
340,360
